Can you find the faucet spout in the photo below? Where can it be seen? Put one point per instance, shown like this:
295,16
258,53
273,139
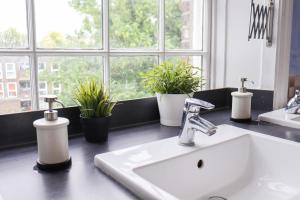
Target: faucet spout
293,106
192,122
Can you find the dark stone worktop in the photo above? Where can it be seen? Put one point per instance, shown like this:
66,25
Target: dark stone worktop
83,181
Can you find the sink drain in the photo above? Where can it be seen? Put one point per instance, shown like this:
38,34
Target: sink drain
216,198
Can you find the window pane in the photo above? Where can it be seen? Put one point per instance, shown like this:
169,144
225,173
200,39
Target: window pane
63,81
15,90
13,25
125,76
69,23
196,61
184,24
133,24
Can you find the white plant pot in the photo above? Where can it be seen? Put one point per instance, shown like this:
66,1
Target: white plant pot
171,108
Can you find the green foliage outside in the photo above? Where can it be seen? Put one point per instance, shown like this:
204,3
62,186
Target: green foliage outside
72,70
170,78
11,38
93,100
133,24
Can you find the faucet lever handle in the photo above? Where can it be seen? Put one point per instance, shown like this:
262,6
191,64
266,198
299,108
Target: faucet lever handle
191,102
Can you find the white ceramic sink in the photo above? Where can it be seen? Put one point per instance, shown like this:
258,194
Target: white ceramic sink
282,118
237,164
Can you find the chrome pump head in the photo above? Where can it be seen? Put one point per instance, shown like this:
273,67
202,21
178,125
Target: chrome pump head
50,114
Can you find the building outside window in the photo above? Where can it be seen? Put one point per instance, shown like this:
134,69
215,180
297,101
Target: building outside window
111,41
12,89
10,71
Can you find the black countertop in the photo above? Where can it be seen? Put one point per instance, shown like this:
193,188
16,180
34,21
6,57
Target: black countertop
83,181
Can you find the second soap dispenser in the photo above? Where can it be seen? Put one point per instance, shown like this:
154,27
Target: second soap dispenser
52,138
241,104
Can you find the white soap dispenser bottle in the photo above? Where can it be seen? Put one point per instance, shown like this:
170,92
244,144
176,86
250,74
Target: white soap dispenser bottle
241,104
52,138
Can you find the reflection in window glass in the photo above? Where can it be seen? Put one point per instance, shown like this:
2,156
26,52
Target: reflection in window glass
125,76
184,24
71,71
133,24
68,24
15,85
13,25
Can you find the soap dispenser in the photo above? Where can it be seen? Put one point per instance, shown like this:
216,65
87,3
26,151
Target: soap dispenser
241,104
52,138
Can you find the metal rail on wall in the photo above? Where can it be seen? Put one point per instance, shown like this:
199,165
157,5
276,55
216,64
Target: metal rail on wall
261,22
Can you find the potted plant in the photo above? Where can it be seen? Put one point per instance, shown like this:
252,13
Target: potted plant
95,107
172,83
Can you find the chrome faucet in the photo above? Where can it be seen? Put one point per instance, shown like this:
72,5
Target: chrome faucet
293,105
192,122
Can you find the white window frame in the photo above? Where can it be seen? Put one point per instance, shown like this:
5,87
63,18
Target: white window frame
9,90
1,71
2,91
7,71
106,52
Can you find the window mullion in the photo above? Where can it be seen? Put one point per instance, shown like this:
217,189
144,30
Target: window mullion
207,32
33,57
106,46
161,28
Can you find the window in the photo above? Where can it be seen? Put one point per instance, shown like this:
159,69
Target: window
43,89
10,70
41,66
12,89
54,67
13,25
24,84
184,24
15,90
1,91
112,41
56,88
74,24
125,80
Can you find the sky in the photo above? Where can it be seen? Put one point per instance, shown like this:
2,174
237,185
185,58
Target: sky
51,15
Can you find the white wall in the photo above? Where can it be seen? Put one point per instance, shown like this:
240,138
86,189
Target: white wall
233,55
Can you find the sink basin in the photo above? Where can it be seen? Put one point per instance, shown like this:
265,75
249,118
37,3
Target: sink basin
282,118
233,164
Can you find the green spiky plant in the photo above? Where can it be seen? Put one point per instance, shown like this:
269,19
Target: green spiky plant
173,78
93,100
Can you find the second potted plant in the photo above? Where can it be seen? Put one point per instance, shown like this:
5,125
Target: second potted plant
172,83
95,108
